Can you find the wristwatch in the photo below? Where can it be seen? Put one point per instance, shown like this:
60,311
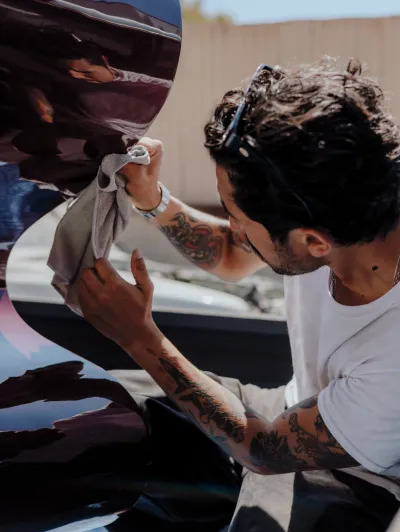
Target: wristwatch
165,197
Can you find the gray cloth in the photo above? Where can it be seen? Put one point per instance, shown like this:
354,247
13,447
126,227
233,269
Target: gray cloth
92,223
312,501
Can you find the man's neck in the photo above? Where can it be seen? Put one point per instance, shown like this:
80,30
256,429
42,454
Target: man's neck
366,272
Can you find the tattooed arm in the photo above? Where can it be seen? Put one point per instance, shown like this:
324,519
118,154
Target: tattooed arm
296,440
208,242
205,240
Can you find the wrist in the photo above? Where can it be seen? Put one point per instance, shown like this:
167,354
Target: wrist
149,341
148,203
162,206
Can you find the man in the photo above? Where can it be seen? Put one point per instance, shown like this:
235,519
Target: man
307,170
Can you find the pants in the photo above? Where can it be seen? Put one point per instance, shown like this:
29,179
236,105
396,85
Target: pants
313,501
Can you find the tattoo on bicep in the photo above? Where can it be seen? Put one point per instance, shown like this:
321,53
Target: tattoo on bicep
322,449
196,241
325,436
299,448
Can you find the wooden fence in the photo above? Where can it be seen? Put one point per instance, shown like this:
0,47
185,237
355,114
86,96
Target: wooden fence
217,57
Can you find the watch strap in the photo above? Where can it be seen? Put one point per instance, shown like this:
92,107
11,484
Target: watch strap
165,198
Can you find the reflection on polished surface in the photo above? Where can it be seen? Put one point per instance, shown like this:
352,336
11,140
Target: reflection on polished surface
76,451
79,79
69,433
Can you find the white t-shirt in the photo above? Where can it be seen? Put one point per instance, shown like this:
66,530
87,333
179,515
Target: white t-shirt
351,357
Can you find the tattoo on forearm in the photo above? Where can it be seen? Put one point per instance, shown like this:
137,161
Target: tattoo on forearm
208,408
183,383
196,241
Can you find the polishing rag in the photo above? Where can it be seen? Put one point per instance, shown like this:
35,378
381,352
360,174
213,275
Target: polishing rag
93,222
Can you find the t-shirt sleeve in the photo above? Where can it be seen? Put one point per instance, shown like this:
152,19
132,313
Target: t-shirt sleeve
363,414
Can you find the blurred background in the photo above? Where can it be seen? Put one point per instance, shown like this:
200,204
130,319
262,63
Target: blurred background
224,41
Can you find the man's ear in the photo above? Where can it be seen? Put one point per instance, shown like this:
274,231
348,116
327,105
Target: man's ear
105,59
318,244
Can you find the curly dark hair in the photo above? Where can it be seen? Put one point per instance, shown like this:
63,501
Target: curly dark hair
332,140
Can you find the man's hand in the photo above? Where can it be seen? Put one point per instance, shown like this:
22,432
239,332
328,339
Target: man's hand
142,181
119,310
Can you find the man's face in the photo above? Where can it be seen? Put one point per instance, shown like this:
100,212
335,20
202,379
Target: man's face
293,258
83,69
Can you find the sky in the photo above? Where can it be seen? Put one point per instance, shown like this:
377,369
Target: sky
259,11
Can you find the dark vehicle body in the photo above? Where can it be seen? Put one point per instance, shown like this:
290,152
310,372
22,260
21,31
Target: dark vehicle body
76,449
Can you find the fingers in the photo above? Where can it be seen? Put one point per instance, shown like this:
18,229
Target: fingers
154,147
140,273
89,307
105,271
93,279
133,171
90,281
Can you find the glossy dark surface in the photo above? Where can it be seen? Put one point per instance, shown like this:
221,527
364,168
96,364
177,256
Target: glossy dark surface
69,433
78,79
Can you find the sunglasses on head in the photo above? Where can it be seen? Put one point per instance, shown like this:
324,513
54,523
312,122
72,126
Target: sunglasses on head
246,146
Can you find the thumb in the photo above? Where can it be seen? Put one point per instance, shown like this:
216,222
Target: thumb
153,146
140,274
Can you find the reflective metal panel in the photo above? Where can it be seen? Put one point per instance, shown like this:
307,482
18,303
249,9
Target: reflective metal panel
78,79
69,434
